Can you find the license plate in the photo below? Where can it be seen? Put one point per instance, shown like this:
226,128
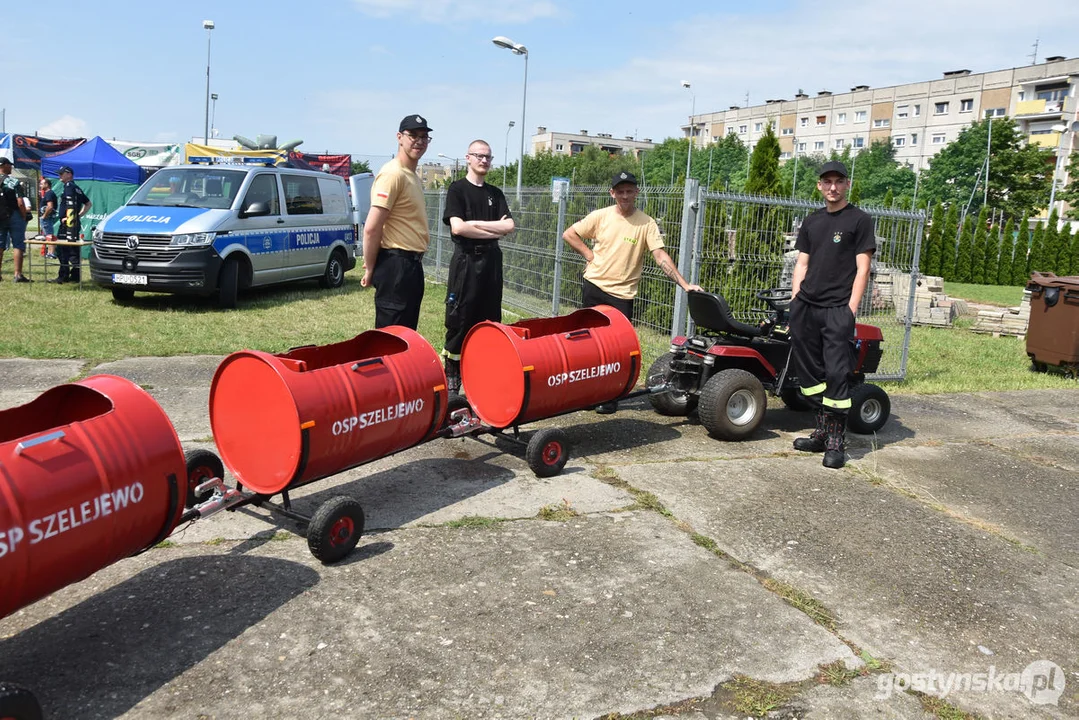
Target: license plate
125,279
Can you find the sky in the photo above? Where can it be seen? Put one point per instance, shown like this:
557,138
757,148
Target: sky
340,74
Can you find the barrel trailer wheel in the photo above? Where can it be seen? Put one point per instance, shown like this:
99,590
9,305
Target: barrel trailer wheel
547,452
18,703
202,465
335,528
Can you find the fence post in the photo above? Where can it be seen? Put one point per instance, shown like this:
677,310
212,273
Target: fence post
556,291
438,236
690,208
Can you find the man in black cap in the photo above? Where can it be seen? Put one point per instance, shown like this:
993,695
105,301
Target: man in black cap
14,214
395,235
478,216
621,236
835,247
73,205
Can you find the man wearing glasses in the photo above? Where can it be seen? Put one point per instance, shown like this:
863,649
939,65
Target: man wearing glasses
478,216
395,234
835,246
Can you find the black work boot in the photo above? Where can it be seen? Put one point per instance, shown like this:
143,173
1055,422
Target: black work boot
815,442
453,376
835,444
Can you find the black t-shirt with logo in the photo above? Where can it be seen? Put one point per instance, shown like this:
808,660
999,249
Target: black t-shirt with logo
471,202
833,241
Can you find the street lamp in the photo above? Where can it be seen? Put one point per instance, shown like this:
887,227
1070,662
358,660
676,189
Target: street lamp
209,26
692,112
213,114
518,49
1061,128
455,162
507,155
794,180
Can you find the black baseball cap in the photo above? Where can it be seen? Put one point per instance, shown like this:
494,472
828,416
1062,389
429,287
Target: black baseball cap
414,122
64,169
5,161
833,167
623,177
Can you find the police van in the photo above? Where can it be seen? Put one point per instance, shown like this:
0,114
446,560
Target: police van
217,229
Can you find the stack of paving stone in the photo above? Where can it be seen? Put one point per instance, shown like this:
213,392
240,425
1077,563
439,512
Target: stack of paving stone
931,305
1005,321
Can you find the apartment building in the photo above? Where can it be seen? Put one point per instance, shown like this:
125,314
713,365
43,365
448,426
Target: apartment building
919,118
432,174
559,143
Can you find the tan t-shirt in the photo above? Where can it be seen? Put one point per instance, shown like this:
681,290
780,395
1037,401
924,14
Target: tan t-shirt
620,246
398,189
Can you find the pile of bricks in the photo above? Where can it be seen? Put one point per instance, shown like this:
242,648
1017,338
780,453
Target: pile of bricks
1005,321
931,305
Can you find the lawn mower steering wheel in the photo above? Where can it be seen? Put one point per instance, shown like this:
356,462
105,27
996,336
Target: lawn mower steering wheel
778,299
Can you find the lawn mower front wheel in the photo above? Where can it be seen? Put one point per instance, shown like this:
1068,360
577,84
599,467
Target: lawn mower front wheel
672,402
869,409
732,404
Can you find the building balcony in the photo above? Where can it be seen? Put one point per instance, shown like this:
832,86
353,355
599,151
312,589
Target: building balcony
1046,140
1040,109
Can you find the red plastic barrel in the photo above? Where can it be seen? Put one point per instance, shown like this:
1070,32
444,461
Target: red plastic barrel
285,420
90,473
548,366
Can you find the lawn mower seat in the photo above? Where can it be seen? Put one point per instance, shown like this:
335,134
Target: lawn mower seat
710,311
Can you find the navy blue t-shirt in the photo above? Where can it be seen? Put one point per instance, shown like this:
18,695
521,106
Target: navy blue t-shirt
833,241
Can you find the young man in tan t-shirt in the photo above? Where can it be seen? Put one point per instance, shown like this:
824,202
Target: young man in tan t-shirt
395,235
621,235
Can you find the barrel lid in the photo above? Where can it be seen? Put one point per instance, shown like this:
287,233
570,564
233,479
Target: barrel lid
492,373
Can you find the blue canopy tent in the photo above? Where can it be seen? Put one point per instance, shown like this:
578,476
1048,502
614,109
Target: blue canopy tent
107,177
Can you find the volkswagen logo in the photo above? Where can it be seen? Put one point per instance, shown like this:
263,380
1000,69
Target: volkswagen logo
132,242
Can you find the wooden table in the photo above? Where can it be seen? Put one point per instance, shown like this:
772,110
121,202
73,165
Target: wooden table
40,240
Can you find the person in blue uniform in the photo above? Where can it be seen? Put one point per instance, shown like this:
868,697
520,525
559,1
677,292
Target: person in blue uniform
73,205
835,248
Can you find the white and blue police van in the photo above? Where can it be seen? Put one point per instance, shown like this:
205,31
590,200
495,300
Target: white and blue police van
214,230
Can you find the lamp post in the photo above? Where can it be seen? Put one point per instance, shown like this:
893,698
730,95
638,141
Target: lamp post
209,26
506,157
794,179
518,49
213,114
1061,128
692,112
455,163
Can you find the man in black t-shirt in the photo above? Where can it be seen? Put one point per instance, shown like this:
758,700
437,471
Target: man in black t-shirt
478,216
835,246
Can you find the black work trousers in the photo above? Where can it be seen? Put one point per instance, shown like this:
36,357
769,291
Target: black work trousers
822,353
398,281
473,291
592,296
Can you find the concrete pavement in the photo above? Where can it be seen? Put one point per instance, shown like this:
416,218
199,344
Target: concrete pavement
678,576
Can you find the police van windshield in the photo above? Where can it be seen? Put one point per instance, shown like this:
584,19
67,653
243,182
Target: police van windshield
190,187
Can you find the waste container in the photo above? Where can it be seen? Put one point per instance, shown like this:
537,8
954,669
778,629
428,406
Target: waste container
280,421
1053,332
91,472
548,366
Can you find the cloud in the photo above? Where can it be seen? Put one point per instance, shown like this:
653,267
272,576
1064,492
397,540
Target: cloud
460,11
65,127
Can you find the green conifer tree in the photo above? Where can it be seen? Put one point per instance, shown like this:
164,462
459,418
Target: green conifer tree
1021,254
963,250
978,241
1037,251
948,240
931,252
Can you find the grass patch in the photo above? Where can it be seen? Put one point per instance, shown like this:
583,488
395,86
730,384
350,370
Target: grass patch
474,521
1000,295
558,513
942,708
748,696
837,673
164,544
282,536
802,601
648,501
216,541
871,663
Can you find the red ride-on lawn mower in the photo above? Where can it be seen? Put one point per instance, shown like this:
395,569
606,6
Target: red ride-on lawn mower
723,371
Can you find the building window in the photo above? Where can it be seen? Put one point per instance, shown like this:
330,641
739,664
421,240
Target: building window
914,138
840,144
938,138
730,129
859,116
995,112
801,147
899,141
966,105
772,125
787,131
1052,95
803,122
822,120
558,146
859,142
757,127
881,122
818,145
785,156
917,111
940,108
902,112
742,129
841,119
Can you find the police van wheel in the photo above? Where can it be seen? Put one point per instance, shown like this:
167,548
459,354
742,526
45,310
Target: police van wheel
228,284
18,703
335,529
123,295
334,277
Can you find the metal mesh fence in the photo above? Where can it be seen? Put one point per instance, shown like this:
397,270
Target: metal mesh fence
740,245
